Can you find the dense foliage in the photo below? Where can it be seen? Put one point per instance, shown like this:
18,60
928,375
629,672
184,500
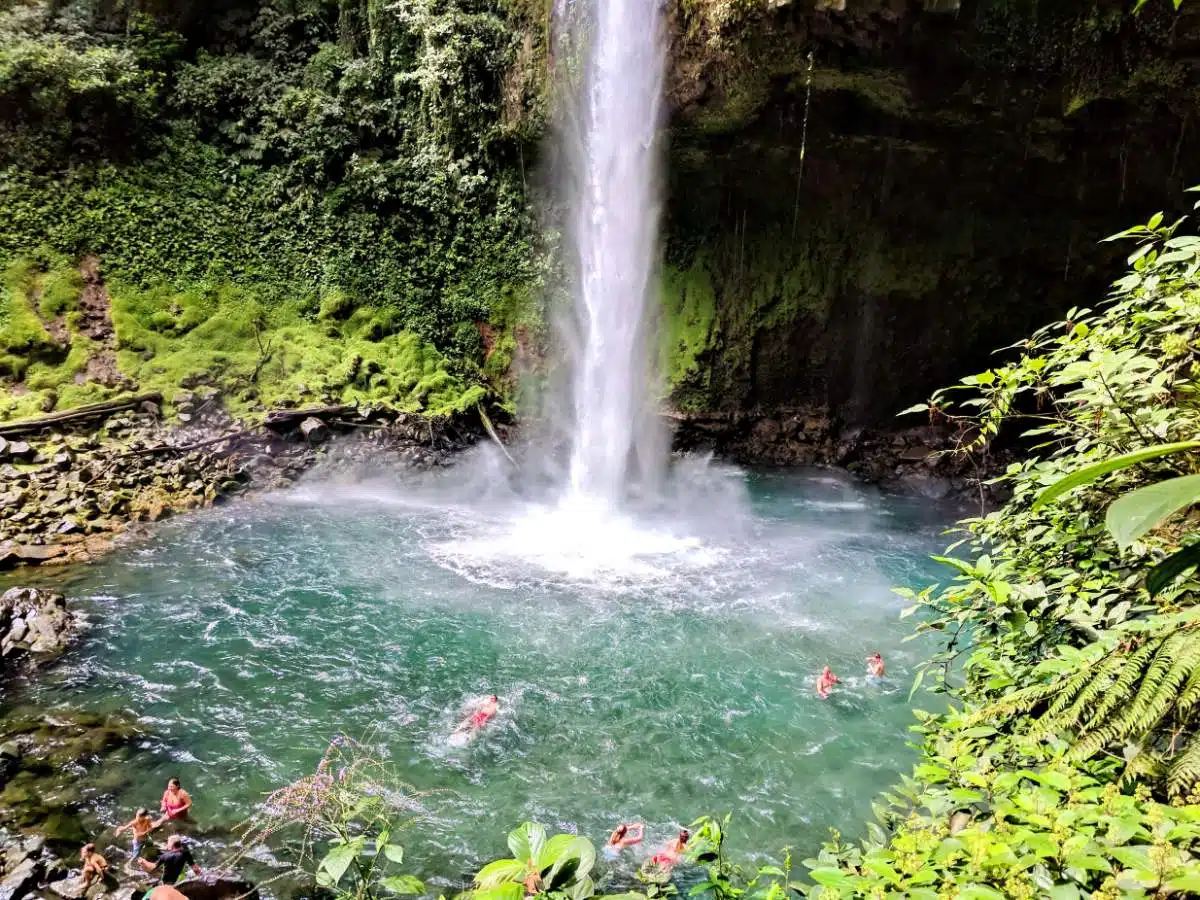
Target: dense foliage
1069,765
288,151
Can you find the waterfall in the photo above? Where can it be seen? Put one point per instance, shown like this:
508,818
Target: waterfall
614,200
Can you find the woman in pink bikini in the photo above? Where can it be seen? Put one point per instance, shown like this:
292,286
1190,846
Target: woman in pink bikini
175,801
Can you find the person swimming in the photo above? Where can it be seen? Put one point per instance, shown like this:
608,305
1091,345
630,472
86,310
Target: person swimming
176,802
669,856
825,682
875,667
625,835
484,711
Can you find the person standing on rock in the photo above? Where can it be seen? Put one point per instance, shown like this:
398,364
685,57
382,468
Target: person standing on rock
95,866
172,861
176,802
141,825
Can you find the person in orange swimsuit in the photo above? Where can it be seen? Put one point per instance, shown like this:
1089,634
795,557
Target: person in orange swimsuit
176,802
825,682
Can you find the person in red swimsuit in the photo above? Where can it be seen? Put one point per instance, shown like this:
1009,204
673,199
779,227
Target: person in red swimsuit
176,802
670,855
480,716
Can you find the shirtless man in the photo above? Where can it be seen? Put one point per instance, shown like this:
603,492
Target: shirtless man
825,682
95,866
626,835
176,802
141,825
165,892
875,665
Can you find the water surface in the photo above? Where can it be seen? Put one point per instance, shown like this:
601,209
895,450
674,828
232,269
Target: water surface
657,685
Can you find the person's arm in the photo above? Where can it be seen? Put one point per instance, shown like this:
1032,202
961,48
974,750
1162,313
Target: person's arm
146,864
162,804
121,828
636,831
187,802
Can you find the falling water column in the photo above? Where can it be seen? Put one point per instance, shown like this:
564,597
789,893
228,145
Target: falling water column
614,232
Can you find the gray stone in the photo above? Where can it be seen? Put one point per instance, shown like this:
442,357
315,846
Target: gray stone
20,880
67,525
63,461
150,408
18,630
314,430
69,888
3,447
23,451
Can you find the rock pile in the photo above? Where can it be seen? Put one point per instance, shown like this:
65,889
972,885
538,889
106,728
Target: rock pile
33,621
912,460
64,497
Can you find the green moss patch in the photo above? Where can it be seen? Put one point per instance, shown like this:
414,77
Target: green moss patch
264,356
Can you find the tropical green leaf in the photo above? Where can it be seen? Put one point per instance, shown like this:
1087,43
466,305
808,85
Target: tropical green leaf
394,853
1088,474
502,871
1141,510
1163,574
525,842
403,884
339,858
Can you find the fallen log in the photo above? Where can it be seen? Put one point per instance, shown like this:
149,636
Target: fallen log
78,414
290,418
491,431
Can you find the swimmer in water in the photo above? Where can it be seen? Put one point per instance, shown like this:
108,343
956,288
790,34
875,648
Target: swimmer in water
175,803
483,713
669,856
875,665
626,835
825,682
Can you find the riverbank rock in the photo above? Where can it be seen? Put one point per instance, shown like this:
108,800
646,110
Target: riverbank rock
78,490
218,886
33,621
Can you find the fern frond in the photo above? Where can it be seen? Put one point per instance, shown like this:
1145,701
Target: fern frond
1101,681
1185,768
1132,668
1153,699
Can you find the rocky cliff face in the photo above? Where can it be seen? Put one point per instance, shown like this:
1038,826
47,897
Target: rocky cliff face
867,198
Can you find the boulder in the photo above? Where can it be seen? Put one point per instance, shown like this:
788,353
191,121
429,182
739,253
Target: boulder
3,447
217,886
314,430
38,553
66,526
21,450
69,888
20,880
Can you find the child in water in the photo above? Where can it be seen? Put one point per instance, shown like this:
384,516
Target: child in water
483,713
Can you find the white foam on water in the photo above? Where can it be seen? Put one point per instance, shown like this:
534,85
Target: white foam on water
577,540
